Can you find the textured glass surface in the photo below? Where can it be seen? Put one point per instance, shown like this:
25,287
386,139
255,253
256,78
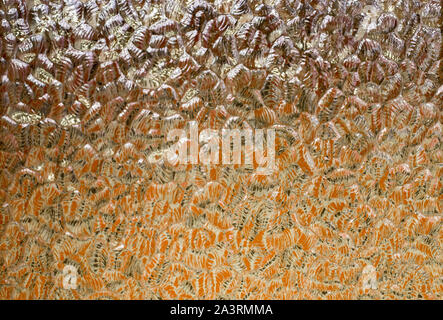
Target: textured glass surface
117,122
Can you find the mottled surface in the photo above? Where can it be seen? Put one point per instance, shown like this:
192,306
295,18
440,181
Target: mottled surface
90,89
